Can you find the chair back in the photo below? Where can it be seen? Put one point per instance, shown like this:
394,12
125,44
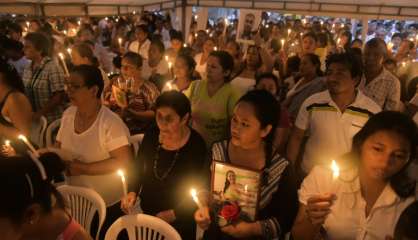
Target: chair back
83,204
142,227
37,133
136,141
51,133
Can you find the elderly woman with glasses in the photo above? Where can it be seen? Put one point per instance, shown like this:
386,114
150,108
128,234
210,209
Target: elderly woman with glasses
96,137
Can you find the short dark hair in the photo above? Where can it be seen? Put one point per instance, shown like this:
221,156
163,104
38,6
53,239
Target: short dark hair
403,125
378,43
226,61
174,100
176,35
406,227
91,76
348,59
259,77
357,40
315,61
40,42
396,35
143,28
134,58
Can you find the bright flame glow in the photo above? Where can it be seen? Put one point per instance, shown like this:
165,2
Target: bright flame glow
61,55
69,50
193,192
335,170
7,143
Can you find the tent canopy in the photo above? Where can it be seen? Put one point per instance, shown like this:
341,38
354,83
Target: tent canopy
377,9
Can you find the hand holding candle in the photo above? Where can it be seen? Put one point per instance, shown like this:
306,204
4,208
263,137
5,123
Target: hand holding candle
193,192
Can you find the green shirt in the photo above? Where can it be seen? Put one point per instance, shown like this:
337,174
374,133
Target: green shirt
211,115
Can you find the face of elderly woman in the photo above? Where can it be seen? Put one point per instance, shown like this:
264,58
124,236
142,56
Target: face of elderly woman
169,123
77,91
384,154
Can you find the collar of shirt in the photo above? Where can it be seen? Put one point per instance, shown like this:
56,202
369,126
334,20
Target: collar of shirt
356,103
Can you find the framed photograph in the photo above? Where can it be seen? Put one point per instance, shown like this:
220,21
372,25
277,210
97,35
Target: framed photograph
120,96
237,185
249,21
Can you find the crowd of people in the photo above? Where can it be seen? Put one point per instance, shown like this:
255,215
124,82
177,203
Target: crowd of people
292,97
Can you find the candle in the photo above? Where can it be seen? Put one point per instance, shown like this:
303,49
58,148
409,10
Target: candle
215,48
106,18
342,25
403,64
207,30
134,12
168,84
282,41
30,146
267,26
304,21
335,170
195,199
289,31
65,32
79,23
166,57
122,177
7,143
120,42
195,35
67,73
69,50
390,46
185,45
195,17
338,41
170,64
27,24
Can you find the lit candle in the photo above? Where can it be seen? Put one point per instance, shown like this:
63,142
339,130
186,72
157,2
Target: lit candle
64,64
170,64
335,170
69,50
282,41
215,48
267,26
207,30
79,23
390,46
120,42
289,31
166,57
122,177
403,64
27,24
304,21
193,192
322,22
195,35
7,143
338,41
30,146
169,86
195,17
106,18
342,25
185,45
65,32
134,12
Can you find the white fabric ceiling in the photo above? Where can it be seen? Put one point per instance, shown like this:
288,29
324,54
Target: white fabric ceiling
405,9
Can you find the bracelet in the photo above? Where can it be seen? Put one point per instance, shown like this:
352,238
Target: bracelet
266,230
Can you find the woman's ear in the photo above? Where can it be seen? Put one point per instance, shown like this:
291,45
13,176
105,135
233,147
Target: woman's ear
185,119
227,73
32,215
265,131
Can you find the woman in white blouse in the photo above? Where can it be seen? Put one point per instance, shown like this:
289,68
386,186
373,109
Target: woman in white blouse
202,58
96,136
373,187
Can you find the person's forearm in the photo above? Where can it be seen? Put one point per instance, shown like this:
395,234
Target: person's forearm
56,100
142,115
106,166
12,132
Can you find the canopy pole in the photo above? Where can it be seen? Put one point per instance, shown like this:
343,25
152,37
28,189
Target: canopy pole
183,17
365,29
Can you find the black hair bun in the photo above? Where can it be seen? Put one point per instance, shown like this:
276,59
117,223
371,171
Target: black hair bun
53,164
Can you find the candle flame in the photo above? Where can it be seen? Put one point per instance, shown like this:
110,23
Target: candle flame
7,143
69,50
289,31
61,55
120,173
185,45
166,58
335,170
170,64
120,41
193,192
195,35
22,137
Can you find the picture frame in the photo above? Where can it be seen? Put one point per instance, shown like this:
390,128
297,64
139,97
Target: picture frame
236,184
120,96
248,24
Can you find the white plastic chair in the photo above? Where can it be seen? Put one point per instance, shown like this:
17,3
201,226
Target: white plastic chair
136,140
37,132
83,204
142,227
49,139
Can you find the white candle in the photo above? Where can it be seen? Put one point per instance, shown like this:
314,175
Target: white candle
7,143
282,41
30,146
69,50
170,65
79,23
169,86
195,35
122,177
342,25
65,32
335,170
166,58
289,31
67,73
193,192
185,45
215,48
390,46
27,23
120,42
338,41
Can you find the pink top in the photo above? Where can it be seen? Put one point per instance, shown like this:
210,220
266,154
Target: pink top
70,231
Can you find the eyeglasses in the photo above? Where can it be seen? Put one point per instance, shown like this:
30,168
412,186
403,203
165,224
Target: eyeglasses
72,86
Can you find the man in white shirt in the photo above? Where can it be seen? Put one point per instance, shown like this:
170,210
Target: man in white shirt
141,45
378,83
331,118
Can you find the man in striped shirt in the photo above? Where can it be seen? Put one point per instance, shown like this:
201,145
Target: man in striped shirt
331,118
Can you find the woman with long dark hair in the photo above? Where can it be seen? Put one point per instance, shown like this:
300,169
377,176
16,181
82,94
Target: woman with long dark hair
15,108
253,125
372,188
